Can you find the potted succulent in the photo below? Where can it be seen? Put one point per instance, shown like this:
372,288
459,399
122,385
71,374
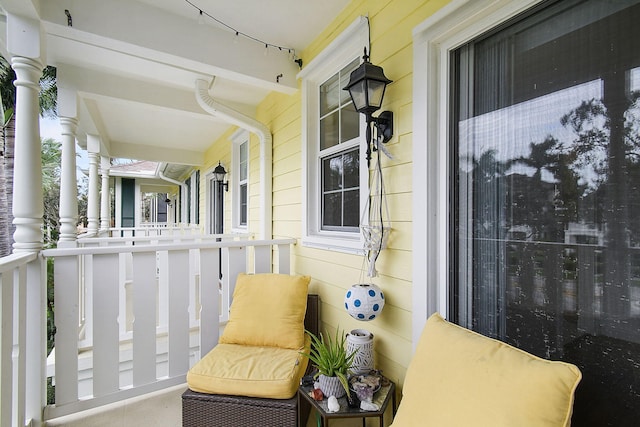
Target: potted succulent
330,357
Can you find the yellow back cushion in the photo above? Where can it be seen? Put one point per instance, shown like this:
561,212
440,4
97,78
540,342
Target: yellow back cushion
460,378
268,310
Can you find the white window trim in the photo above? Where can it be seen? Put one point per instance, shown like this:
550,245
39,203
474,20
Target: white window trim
433,40
237,139
341,51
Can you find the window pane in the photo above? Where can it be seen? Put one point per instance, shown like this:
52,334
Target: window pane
332,210
340,187
329,131
545,216
243,161
350,125
352,208
345,75
332,173
330,95
243,204
352,169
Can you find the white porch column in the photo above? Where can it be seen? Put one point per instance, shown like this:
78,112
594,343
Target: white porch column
93,200
105,209
93,147
27,176
68,184
24,47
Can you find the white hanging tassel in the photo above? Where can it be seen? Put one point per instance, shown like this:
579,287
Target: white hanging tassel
377,230
382,148
371,257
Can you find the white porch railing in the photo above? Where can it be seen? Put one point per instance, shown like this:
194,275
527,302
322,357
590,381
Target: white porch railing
147,237
14,398
154,229
125,280
173,302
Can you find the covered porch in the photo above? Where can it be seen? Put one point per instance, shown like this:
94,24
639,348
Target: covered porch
162,95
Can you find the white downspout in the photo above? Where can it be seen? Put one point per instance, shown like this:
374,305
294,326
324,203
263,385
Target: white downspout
161,175
243,121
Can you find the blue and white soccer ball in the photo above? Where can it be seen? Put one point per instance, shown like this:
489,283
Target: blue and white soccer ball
364,301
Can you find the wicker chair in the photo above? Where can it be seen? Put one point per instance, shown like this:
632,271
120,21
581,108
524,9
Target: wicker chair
218,410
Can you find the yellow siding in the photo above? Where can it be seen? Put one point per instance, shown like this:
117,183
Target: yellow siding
391,24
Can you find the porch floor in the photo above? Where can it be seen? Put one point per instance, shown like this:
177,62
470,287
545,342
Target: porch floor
160,409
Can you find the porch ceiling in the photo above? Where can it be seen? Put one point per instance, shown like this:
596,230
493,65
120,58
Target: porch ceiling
127,68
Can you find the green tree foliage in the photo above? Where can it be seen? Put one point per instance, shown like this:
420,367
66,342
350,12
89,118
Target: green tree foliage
48,98
51,158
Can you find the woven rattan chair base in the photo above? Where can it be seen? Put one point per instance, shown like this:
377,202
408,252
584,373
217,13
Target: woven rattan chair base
221,410
218,410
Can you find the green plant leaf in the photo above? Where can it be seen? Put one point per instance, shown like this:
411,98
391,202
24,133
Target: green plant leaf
330,356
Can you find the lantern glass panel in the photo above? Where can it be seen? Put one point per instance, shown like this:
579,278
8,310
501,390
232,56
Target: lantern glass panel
376,93
359,95
219,174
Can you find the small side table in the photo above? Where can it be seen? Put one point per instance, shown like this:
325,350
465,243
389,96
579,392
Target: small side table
381,398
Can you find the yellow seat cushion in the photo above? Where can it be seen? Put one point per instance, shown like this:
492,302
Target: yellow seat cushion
268,310
242,370
460,378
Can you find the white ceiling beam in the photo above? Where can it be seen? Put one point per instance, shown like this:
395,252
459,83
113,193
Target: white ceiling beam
134,29
26,8
94,83
155,154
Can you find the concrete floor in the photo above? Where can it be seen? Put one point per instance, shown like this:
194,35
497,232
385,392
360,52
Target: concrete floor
162,409
159,409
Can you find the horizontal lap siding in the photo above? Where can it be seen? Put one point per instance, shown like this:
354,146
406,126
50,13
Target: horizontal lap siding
392,23
335,272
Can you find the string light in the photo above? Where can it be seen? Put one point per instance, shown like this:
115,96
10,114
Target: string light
290,51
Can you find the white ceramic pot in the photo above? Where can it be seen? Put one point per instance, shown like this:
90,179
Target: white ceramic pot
331,386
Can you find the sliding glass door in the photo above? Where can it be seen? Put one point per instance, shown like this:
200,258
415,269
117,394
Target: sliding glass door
545,217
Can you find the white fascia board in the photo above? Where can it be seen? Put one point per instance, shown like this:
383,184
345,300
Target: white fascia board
134,29
156,154
26,8
94,83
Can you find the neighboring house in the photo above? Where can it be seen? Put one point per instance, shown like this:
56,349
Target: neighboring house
478,85
145,193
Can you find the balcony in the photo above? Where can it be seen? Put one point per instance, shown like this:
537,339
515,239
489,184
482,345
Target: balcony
132,314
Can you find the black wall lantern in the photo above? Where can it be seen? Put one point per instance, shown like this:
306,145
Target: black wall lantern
367,84
219,173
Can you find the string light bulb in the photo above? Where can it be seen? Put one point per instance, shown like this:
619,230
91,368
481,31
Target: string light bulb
238,33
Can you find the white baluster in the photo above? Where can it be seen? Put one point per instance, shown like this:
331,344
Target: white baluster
178,313
106,363
209,299
144,314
